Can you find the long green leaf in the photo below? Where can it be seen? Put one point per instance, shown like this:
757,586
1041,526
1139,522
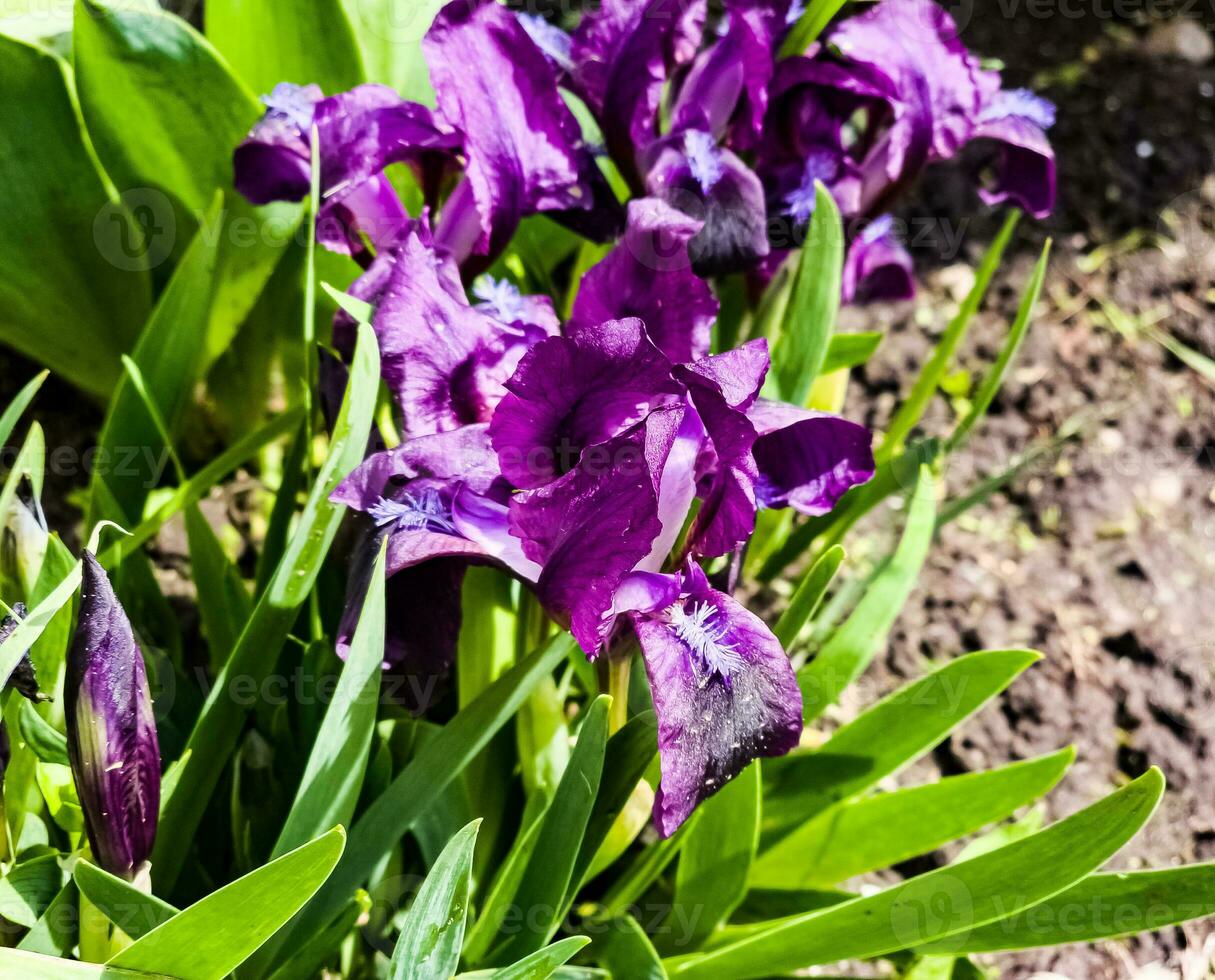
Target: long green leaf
223,601
809,26
169,356
797,357
890,735
808,596
432,769
333,777
300,41
551,868
715,864
847,653
50,182
849,350
946,902
995,376
1102,906
35,966
218,726
28,888
880,831
626,950
16,408
628,755
430,940
500,898
135,912
929,380
543,963
212,937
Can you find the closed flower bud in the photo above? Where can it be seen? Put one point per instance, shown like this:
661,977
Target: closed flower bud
111,731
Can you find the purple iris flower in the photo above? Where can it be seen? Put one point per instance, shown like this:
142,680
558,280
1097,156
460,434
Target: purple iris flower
444,360
723,689
441,503
893,91
878,267
111,732
612,441
361,132
501,122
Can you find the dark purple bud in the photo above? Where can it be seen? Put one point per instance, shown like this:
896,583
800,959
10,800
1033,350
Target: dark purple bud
111,732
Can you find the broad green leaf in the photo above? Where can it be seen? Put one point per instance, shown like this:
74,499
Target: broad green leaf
16,408
847,653
623,947
305,961
333,777
433,768
35,966
44,740
849,350
165,112
809,26
805,335
53,186
299,41
893,733
430,941
550,871
628,755
646,869
1102,906
134,911
500,899
223,601
55,932
219,725
543,963
883,830
808,596
929,380
715,864
389,33
132,452
1016,334
950,901
212,937
29,888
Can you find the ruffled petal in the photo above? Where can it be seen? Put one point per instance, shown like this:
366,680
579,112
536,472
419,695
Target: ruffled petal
649,275
1017,120
596,524
878,268
444,361
691,172
624,52
273,163
572,393
724,692
495,85
807,460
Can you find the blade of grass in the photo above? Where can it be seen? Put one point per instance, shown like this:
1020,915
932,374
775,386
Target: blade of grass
995,376
218,726
929,379
16,408
809,26
808,596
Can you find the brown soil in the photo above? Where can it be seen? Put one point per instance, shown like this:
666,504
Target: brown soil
1102,556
